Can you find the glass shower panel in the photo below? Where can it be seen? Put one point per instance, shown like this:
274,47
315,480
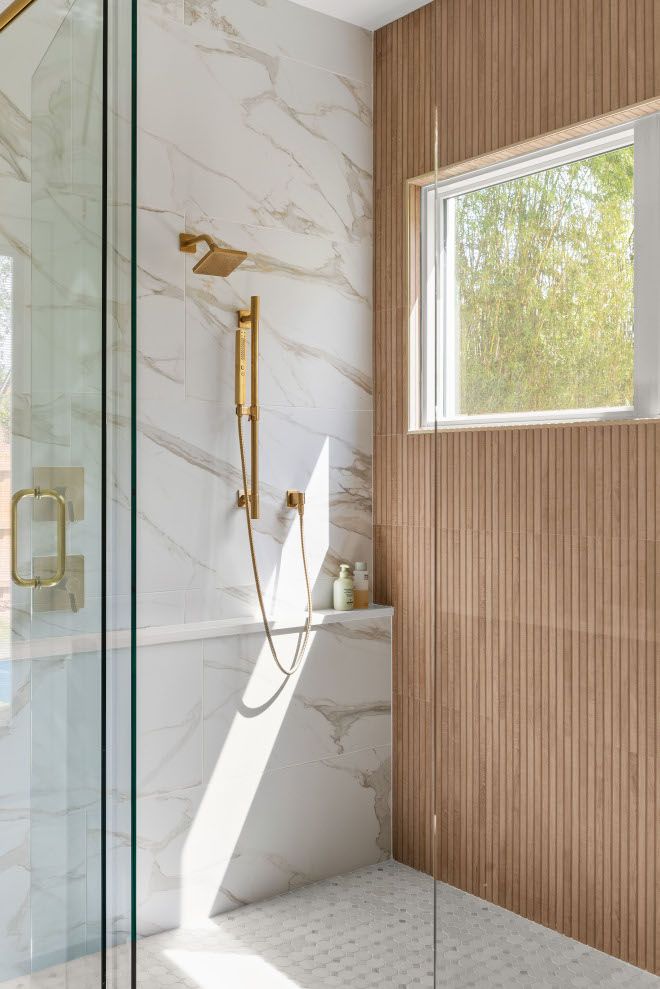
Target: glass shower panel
66,399
51,460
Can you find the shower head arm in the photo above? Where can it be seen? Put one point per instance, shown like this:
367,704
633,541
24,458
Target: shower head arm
188,242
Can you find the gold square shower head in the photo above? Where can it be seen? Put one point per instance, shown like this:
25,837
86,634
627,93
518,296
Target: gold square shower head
219,261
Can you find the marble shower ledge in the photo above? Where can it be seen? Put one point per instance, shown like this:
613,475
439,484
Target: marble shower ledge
244,626
188,632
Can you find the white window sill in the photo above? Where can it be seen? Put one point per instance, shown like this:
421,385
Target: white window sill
570,417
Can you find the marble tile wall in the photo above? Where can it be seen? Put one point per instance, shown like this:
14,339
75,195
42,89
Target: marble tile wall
251,786
262,137
293,187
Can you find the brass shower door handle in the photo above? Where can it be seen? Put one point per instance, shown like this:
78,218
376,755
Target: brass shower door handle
61,537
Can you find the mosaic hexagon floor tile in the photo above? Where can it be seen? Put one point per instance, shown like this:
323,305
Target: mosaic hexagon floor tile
371,929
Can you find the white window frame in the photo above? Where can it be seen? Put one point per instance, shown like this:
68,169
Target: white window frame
435,367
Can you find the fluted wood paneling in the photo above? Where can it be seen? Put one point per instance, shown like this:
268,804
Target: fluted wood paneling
523,563
547,692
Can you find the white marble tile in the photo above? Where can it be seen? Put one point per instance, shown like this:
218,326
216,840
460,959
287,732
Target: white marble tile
14,893
316,319
233,601
31,38
65,739
119,744
64,807
14,210
43,418
250,839
338,701
65,797
58,885
65,305
299,154
293,188
327,455
252,829
66,211
15,745
15,825
166,608
164,825
262,138
51,116
161,312
165,10
284,28
298,824
118,849
186,517
14,152
169,720
192,535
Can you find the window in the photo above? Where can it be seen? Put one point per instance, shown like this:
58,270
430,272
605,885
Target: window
535,304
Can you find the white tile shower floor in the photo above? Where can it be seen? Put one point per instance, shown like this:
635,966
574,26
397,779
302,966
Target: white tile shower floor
371,928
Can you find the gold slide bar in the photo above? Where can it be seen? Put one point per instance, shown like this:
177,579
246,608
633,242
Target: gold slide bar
248,319
254,405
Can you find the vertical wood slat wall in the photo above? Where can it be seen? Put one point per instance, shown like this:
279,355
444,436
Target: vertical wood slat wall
537,567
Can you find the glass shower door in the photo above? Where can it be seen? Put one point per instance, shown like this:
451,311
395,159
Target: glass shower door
52,618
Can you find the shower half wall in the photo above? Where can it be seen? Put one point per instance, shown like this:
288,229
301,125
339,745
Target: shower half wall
262,139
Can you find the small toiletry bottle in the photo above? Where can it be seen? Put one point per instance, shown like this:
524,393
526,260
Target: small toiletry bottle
343,589
361,585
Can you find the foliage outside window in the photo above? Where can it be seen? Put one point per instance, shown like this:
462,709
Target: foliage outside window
530,283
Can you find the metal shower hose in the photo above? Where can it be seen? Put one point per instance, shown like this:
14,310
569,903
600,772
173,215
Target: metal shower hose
302,646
